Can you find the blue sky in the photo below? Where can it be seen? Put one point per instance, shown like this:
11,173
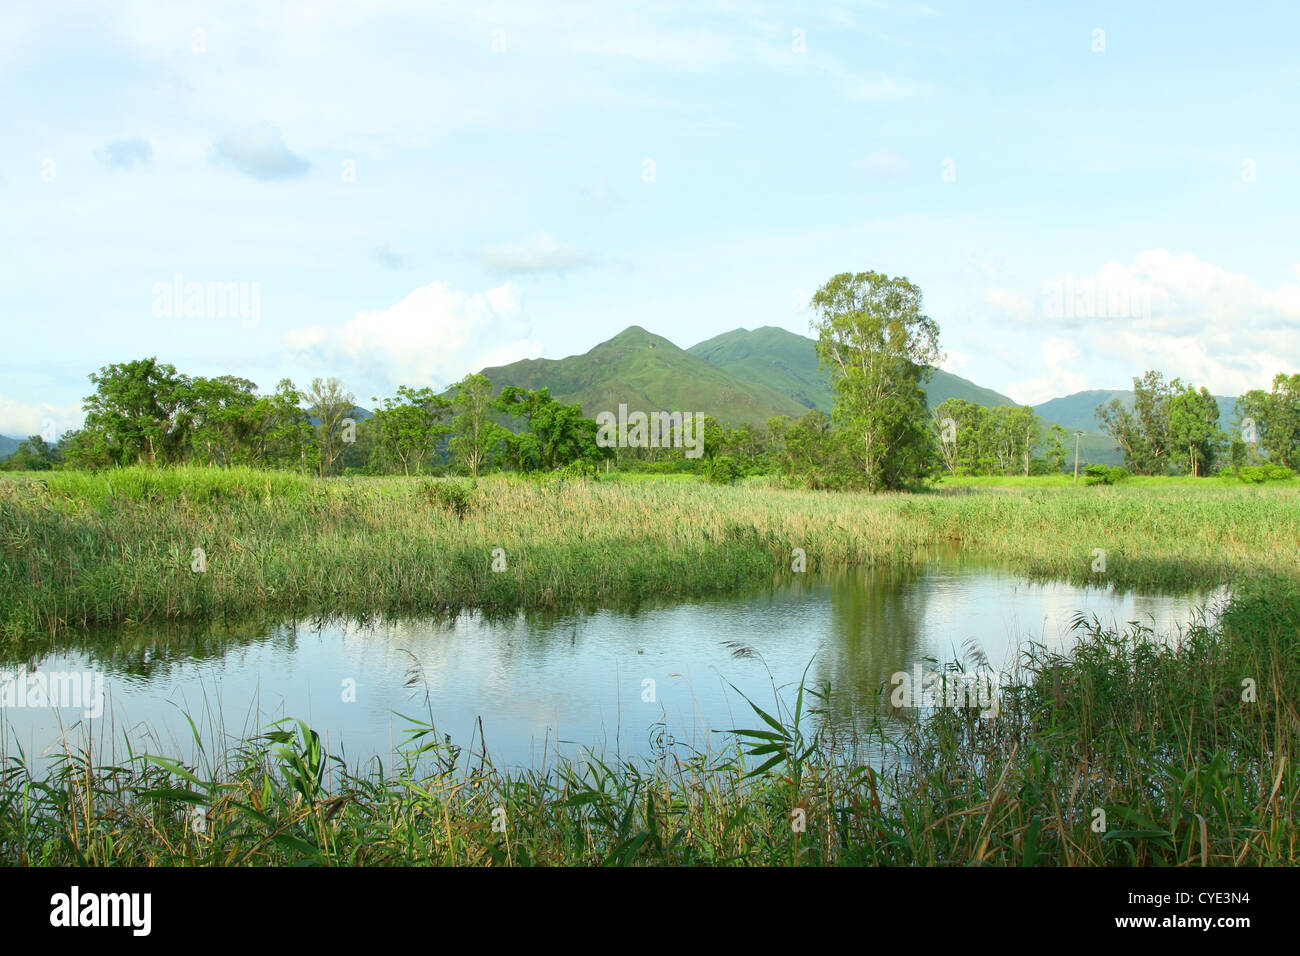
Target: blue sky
415,193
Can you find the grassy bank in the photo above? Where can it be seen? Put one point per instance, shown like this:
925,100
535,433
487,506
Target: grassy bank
1128,751
118,548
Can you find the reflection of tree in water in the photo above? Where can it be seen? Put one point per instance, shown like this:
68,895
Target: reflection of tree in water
152,651
530,636
876,618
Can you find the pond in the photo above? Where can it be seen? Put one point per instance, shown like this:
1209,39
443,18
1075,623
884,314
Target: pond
631,682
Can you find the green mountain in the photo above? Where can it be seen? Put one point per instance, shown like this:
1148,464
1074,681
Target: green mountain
647,373
787,363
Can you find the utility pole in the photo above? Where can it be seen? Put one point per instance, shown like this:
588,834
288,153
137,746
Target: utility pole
1077,436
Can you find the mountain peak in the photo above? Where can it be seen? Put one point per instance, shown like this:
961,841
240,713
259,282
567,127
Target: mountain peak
633,333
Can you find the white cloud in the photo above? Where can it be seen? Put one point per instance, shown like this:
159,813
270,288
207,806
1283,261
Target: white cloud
1057,352
1286,300
1010,303
259,151
435,336
303,340
1213,327
1176,313
1059,377
19,419
954,361
539,253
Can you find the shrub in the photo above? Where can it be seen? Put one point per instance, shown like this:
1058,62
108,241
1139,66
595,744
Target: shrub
450,495
1258,474
722,470
579,469
1103,475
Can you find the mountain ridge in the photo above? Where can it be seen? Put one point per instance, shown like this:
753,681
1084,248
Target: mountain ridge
646,372
1079,409
750,354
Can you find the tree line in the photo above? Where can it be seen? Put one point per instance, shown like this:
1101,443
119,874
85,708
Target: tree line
872,336
145,412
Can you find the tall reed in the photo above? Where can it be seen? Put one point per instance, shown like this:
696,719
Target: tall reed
120,547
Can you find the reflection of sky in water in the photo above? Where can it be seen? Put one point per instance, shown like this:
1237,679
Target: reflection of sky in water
578,677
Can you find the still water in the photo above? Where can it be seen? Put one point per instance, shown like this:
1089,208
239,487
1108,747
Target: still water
632,681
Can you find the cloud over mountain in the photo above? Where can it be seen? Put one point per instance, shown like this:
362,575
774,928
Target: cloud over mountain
432,336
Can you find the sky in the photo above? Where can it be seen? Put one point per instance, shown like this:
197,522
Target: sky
401,193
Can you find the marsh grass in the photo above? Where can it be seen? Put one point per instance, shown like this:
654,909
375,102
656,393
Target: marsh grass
1226,478
116,548
1152,731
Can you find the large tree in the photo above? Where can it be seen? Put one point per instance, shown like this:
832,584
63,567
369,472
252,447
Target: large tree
1141,432
879,345
557,433
1056,451
222,420
1194,427
138,411
475,436
1272,420
1026,430
409,427
285,436
329,403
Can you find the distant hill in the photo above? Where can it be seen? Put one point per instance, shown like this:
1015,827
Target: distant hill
9,445
647,373
1079,410
787,362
